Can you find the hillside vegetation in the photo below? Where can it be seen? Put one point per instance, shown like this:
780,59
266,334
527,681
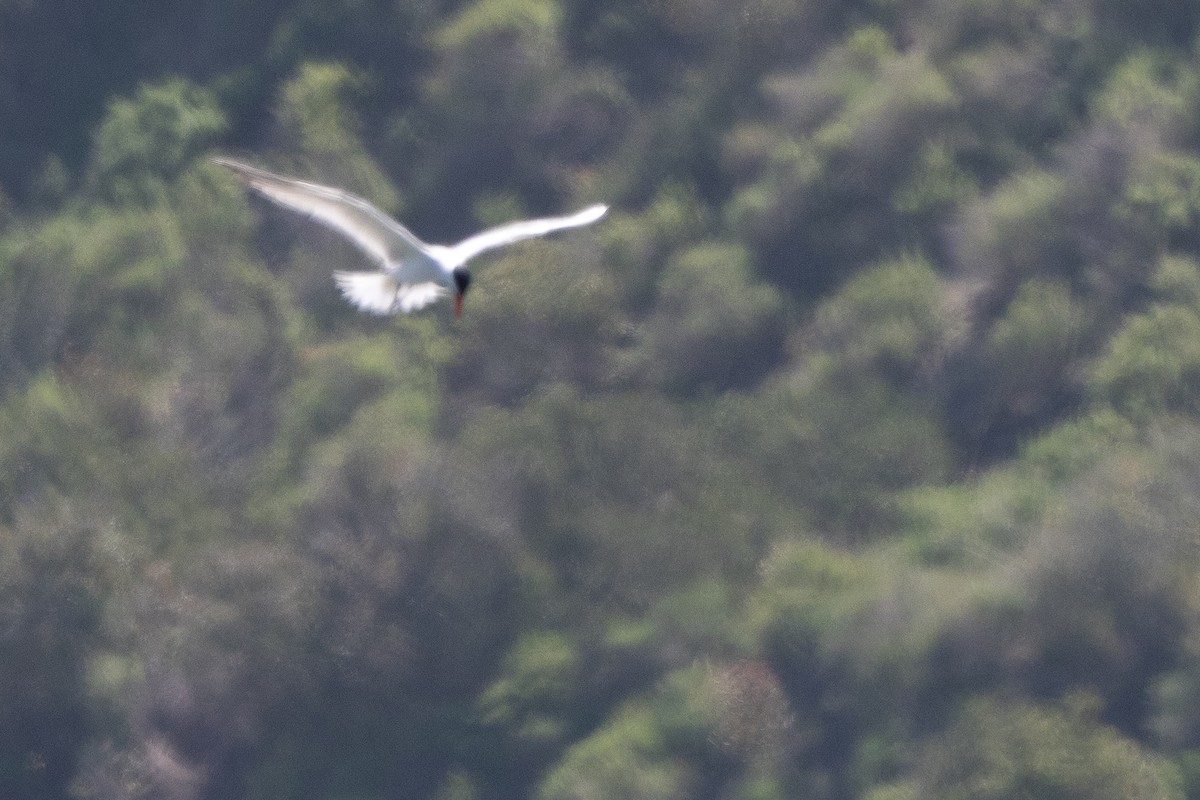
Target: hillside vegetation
854,456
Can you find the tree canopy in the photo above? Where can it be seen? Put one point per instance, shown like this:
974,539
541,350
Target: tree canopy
854,455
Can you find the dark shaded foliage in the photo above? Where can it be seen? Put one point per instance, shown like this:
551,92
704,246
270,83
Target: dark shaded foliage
850,456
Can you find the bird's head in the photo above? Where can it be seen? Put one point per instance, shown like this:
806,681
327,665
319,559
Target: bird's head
462,281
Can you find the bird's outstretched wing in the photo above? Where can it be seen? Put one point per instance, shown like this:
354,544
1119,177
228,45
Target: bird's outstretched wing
371,230
516,231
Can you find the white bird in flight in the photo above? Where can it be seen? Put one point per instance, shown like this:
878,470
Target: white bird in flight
412,274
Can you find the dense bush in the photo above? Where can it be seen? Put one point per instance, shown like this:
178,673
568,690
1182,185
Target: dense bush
852,455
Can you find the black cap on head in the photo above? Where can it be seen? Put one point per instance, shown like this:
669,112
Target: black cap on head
462,279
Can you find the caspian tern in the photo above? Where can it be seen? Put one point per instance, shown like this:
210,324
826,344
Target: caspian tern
412,274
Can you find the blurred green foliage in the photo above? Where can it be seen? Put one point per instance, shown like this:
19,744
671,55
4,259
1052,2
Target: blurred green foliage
852,455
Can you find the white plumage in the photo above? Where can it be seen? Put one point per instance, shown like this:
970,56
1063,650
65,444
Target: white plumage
412,274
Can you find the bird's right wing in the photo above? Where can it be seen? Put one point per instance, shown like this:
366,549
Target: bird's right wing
528,229
368,228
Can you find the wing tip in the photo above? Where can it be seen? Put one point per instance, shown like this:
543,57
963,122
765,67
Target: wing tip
231,163
592,213
246,173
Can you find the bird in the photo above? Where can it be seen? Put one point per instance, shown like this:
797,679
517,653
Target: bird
411,274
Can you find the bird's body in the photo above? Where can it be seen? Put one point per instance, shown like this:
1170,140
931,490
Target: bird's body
411,274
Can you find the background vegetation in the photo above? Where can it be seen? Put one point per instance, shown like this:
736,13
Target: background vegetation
855,455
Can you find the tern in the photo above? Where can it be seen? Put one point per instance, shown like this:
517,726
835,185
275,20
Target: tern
411,274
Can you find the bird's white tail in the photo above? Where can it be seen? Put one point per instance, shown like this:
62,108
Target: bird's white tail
374,292
379,293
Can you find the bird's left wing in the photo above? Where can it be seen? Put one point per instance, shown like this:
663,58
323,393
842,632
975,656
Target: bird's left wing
516,231
372,231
